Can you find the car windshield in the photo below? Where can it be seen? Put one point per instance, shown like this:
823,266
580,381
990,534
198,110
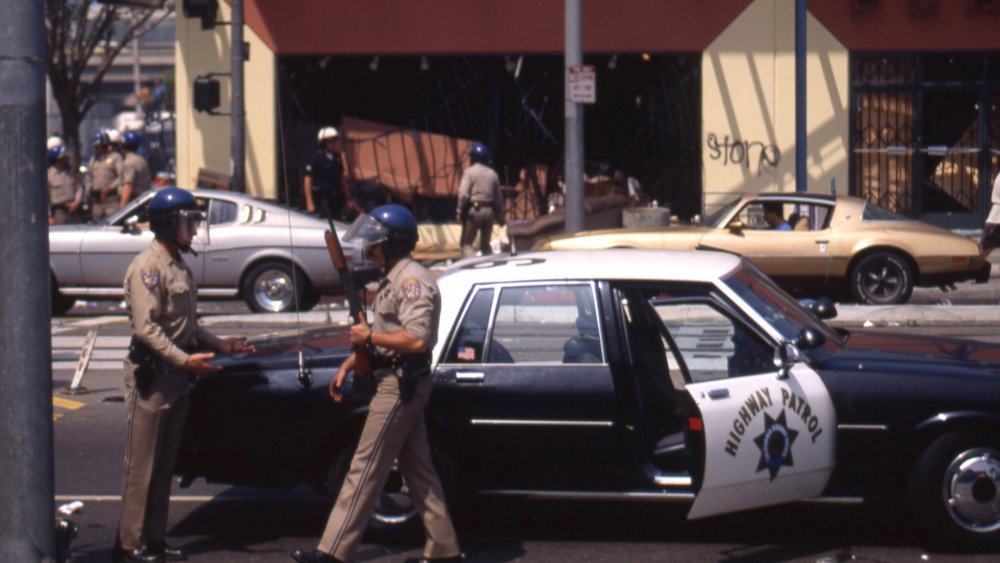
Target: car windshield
776,307
715,219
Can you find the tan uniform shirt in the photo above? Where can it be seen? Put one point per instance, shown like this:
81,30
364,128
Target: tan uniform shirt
994,216
63,188
135,171
162,305
480,184
408,298
103,175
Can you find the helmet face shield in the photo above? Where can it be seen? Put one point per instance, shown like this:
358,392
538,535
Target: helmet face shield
367,230
193,220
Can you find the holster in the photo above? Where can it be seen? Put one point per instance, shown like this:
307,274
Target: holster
364,384
409,370
147,365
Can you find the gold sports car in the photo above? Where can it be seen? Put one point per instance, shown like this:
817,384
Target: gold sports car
815,244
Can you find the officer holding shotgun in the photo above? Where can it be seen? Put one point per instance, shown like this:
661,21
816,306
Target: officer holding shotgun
399,341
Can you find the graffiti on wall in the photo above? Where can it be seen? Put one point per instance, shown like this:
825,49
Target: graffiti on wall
752,154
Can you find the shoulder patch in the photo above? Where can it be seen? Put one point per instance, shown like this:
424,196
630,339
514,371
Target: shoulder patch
150,278
412,289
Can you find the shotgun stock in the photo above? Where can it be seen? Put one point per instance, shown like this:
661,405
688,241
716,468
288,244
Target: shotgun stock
362,355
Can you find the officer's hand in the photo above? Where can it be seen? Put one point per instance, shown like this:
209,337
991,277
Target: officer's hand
458,216
235,344
72,207
360,331
198,364
310,209
336,384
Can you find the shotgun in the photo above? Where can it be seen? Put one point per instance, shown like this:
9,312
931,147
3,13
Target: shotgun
362,355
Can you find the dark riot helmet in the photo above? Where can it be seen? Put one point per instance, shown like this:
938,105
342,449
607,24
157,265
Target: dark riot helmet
479,153
168,208
392,226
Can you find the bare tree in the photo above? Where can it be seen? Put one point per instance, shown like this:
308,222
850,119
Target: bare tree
79,32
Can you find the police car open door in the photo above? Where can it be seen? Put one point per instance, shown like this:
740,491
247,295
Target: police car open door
769,437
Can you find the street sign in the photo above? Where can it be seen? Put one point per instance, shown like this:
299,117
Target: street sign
582,84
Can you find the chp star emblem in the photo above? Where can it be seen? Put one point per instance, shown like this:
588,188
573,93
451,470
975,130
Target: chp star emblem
412,289
775,444
150,278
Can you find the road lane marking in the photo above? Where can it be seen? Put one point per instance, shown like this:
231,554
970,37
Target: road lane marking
67,403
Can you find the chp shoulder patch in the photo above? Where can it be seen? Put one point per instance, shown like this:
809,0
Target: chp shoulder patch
412,289
150,278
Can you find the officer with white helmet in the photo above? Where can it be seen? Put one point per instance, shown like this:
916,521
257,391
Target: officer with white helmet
64,191
324,186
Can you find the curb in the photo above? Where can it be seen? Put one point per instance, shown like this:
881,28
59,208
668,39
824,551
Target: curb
912,315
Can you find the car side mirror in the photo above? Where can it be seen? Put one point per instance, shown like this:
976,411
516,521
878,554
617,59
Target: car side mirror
785,357
808,338
736,226
130,225
823,307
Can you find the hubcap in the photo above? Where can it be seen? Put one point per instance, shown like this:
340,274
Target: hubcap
971,484
882,281
274,290
394,505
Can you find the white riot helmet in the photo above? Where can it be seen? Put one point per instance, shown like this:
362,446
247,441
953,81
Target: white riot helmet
114,136
53,142
327,134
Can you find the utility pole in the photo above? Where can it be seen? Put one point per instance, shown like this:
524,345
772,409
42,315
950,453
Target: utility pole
27,520
573,174
238,118
801,136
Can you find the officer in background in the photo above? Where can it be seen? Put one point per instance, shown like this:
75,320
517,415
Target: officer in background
407,310
136,177
479,202
166,340
323,185
103,176
65,193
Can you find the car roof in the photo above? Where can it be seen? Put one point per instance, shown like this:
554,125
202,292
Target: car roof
607,264
803,197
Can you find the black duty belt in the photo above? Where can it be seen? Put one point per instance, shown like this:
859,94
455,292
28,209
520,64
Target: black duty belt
396,361
478,204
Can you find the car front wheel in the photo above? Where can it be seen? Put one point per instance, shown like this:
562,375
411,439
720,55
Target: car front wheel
275,287
882,278
955,488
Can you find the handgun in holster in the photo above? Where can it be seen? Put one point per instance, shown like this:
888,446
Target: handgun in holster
147,364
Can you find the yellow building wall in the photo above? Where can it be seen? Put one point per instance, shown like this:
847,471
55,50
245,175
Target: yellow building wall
203,140
748,106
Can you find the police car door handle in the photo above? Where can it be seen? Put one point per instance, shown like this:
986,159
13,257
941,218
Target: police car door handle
470,376
718,393
822,241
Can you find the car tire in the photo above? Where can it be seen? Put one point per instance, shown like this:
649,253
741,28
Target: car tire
394,517
61,304
882,278
274,287
955,490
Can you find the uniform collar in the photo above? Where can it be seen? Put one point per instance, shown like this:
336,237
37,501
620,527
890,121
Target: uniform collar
397,268
162,251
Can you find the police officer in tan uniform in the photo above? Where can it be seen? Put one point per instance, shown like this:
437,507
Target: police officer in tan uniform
136,177
407,309
65,193
103,175
479,203
165,349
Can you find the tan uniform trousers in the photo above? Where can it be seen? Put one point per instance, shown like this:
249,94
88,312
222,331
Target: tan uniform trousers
155,426
101,209
393,430
478,222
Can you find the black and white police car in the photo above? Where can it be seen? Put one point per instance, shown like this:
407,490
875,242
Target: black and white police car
629,374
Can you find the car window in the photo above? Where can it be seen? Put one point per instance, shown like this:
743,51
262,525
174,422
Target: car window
712,344
546,324
469,343
221,212
752,216
808,216
876,213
